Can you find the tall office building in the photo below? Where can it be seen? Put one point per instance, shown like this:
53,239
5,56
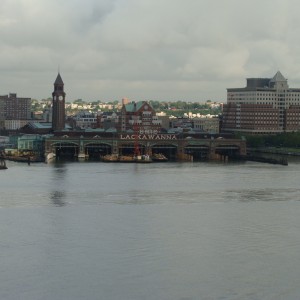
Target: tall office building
265,105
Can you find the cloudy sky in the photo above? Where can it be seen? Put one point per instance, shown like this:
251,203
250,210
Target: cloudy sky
166,50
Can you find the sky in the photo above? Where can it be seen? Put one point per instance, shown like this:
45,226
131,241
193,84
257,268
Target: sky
166,50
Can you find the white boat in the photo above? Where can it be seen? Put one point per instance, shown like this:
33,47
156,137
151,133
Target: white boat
50,156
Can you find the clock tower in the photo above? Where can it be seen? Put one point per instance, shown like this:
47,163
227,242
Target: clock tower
58,105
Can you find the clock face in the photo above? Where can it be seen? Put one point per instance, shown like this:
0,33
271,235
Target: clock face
60,97
146,107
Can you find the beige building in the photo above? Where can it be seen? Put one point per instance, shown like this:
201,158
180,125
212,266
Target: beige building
15,124
210,125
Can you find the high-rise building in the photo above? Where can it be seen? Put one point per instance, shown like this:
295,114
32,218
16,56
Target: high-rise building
265,105
58,105
14,109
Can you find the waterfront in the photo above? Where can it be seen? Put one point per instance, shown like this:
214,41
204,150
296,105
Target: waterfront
160,231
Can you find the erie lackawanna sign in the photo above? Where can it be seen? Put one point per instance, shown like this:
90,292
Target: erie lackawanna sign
148,137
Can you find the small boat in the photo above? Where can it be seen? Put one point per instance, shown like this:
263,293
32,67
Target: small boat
159,157
127,158
82,156
110,158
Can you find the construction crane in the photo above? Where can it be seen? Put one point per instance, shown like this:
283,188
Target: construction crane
136,134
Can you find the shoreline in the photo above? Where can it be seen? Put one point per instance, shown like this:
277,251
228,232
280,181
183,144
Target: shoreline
273,150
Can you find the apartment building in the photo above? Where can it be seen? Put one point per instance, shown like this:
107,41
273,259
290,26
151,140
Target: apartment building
14,111
85,119
16,108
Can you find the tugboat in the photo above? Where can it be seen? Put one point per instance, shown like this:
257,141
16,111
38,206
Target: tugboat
159,157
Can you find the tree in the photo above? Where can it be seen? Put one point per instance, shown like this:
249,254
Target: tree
78,101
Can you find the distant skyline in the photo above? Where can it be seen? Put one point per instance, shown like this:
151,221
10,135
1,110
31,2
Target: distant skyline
163,50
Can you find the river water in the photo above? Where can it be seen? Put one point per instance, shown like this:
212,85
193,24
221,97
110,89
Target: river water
161,231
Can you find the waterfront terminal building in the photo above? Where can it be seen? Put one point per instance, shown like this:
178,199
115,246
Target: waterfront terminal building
264,106
137,129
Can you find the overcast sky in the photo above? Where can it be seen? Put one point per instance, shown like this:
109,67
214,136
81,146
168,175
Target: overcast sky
166,50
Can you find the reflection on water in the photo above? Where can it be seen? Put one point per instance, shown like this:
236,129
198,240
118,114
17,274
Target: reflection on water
57,198
248,195
59,169
58,183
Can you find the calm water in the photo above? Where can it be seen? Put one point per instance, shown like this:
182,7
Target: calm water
151,232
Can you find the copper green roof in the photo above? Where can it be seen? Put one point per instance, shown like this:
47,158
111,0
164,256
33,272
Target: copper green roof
134,106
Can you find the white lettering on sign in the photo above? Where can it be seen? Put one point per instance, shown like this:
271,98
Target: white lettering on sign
148,137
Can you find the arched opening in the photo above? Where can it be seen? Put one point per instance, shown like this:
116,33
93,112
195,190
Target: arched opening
129,148
227,151
65,150
96,151
199,152
168,150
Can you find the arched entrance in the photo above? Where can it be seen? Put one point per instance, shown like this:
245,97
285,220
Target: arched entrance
95,151
129,149
168,150
199,152
227,151
65,150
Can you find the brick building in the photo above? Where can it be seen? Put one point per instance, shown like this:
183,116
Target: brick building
139,116
14,110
